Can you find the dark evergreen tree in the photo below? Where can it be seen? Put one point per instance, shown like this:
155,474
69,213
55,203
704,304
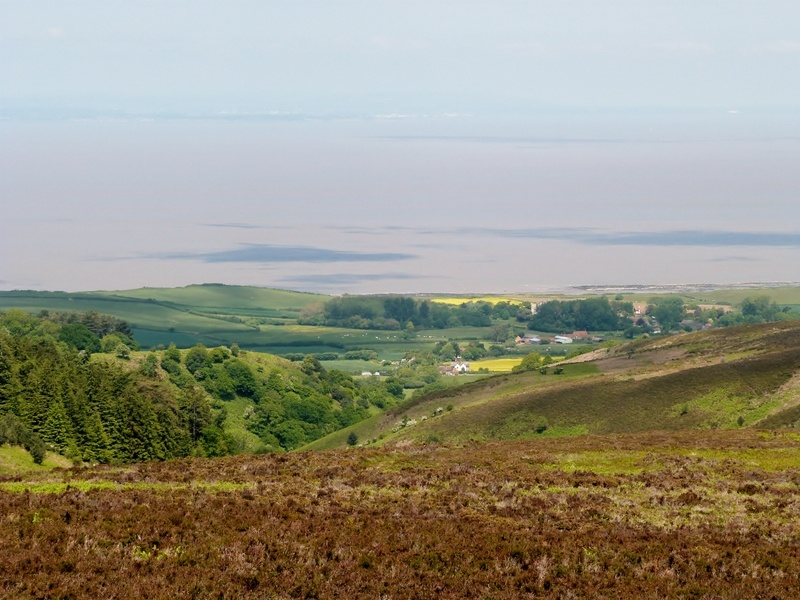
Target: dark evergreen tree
79,337
97,445
9,383
56,429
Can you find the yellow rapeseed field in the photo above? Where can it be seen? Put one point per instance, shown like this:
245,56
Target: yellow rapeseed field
489,299
500,365
495,365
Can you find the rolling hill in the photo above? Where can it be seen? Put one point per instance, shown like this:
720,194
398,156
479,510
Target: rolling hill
209,314
746,376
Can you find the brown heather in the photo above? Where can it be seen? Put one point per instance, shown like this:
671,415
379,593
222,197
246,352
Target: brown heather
712,514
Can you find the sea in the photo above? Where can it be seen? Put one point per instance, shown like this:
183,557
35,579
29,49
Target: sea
548,200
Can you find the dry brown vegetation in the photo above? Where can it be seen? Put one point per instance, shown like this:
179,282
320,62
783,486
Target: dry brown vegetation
711,514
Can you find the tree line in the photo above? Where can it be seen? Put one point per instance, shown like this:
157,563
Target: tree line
405,312
592,314
293,403
92,411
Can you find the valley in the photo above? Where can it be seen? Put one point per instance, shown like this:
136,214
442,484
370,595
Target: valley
659,466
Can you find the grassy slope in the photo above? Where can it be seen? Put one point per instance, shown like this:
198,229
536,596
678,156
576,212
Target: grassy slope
15,460
208,314
727,378
225,297
780,295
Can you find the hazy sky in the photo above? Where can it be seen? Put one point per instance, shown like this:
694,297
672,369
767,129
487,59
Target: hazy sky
403,54
398,145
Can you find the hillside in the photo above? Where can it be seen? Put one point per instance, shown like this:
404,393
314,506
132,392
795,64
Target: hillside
88,396
258,319
209,314
746,376
689,514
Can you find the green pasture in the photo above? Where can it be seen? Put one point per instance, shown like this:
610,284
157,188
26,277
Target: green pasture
224,297
285,339
779,295
139,314
353,367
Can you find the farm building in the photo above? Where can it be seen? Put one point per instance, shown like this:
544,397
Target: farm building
457,367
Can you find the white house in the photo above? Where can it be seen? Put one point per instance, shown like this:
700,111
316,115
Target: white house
460,366
562,339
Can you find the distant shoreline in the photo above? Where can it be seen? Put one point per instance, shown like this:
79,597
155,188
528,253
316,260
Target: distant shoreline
670,288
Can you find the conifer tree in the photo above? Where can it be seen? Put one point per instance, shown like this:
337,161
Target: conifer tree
195,412
9,383
56,429
97,444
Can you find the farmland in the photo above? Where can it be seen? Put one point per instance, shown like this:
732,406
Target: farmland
726,378
650,515
457,300
258,319
496,365
283,322
208,314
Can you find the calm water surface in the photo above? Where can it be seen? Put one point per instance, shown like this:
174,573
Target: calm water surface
400,203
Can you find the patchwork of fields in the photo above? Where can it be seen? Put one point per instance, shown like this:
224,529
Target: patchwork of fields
259,319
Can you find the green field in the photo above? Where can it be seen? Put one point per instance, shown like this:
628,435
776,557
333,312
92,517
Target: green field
225,298
354,367
265,320
259,319
789,295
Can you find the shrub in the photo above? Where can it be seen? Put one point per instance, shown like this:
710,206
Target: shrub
36,447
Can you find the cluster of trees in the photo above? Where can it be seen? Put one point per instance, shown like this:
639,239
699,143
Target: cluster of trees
758,310
404,312
99,324
87,331
14,432
360,354
592,314
295,408
95,411
292,404
473,350
670,313
533,362
166,404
